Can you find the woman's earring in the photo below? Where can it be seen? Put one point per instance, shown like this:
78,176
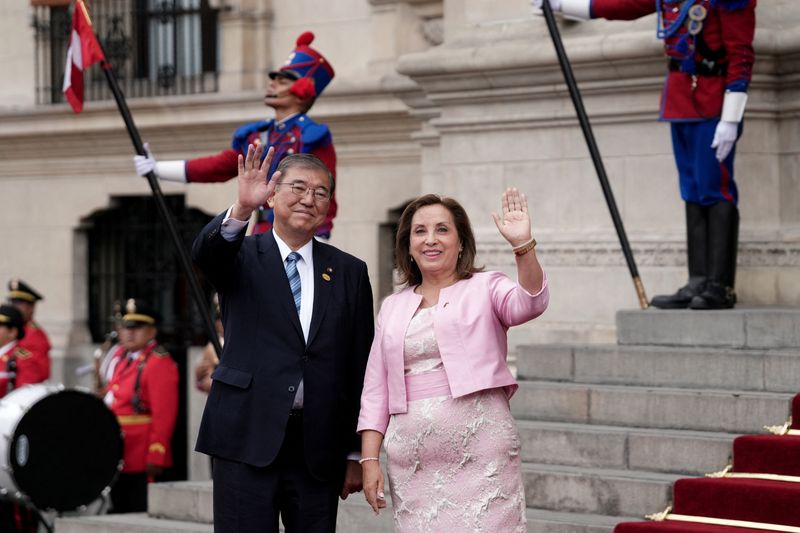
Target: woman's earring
412,259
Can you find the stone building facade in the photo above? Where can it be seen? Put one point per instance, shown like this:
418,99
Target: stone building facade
457,97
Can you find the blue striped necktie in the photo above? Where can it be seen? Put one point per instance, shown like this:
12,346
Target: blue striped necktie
294,277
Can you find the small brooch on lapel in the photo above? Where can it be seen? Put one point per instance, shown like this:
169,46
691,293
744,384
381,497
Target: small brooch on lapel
327,274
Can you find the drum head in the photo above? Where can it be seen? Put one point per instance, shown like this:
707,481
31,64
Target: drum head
65,450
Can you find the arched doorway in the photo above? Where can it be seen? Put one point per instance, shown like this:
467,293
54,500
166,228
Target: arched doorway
130,254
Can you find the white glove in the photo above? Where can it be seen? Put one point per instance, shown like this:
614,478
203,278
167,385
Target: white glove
145,163
554,4
724,138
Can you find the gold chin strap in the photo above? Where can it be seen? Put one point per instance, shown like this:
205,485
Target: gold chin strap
667,515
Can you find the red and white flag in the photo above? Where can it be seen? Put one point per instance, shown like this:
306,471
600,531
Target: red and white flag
84,51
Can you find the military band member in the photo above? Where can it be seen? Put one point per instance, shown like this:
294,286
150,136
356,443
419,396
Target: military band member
291,92
143,394
23,297
709,44
15,361
15,371
110,352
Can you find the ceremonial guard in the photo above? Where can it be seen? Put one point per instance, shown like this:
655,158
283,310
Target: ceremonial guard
15,371
36,342
291,92
709,44
143,394
16,368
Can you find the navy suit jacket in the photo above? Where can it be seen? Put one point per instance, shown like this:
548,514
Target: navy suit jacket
265,354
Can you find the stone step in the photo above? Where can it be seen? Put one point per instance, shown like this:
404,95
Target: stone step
354,516
607,492
624,448
192,501
357,520
543,521
664,408
128,523
728,368
738,328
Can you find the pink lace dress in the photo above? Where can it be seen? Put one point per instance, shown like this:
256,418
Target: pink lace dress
453,464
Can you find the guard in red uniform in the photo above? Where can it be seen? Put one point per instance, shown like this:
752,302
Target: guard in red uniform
709,44
17,364
36,343
13,371
13,358
143,393
291,92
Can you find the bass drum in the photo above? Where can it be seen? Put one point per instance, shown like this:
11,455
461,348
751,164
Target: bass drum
59,448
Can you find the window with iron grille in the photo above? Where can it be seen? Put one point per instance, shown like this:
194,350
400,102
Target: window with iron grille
155,47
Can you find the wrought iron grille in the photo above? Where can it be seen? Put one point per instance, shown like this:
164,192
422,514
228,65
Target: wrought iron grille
131,255
155,47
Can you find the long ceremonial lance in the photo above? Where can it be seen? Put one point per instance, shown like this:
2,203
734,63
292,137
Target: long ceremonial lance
183,256
583,118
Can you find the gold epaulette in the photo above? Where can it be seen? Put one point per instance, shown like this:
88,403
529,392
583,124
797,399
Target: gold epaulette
157,447
160,351
21,352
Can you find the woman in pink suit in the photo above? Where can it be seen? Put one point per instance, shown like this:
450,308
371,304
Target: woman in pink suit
437,384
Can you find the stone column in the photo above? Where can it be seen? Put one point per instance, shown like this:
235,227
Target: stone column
245,51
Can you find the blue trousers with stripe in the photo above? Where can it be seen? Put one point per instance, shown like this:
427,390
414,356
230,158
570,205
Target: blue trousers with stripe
703,179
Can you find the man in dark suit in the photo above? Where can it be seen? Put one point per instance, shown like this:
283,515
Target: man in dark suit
280,420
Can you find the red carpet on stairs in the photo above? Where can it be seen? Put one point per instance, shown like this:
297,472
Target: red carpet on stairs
737,498
755,500
679,527
767,454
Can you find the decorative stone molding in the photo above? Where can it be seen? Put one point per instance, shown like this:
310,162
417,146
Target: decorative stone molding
429,13
433,31
752,254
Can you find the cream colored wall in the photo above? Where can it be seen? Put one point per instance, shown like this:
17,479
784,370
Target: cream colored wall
16,56
485,109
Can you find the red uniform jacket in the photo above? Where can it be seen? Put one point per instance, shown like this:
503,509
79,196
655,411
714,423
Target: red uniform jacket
25,365
148,431
298,134
729,25
37,343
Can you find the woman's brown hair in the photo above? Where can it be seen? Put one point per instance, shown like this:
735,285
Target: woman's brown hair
408,270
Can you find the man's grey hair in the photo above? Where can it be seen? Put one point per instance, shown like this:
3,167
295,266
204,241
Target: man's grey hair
308,161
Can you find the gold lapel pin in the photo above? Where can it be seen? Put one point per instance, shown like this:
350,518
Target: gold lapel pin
325,276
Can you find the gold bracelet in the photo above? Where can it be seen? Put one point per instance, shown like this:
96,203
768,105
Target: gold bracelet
523,249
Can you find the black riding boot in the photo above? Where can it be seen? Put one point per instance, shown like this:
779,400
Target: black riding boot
723,243
696,239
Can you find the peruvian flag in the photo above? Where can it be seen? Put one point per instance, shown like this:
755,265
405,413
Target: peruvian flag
84,51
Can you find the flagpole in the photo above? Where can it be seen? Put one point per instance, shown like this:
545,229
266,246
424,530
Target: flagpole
586,127
183,255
